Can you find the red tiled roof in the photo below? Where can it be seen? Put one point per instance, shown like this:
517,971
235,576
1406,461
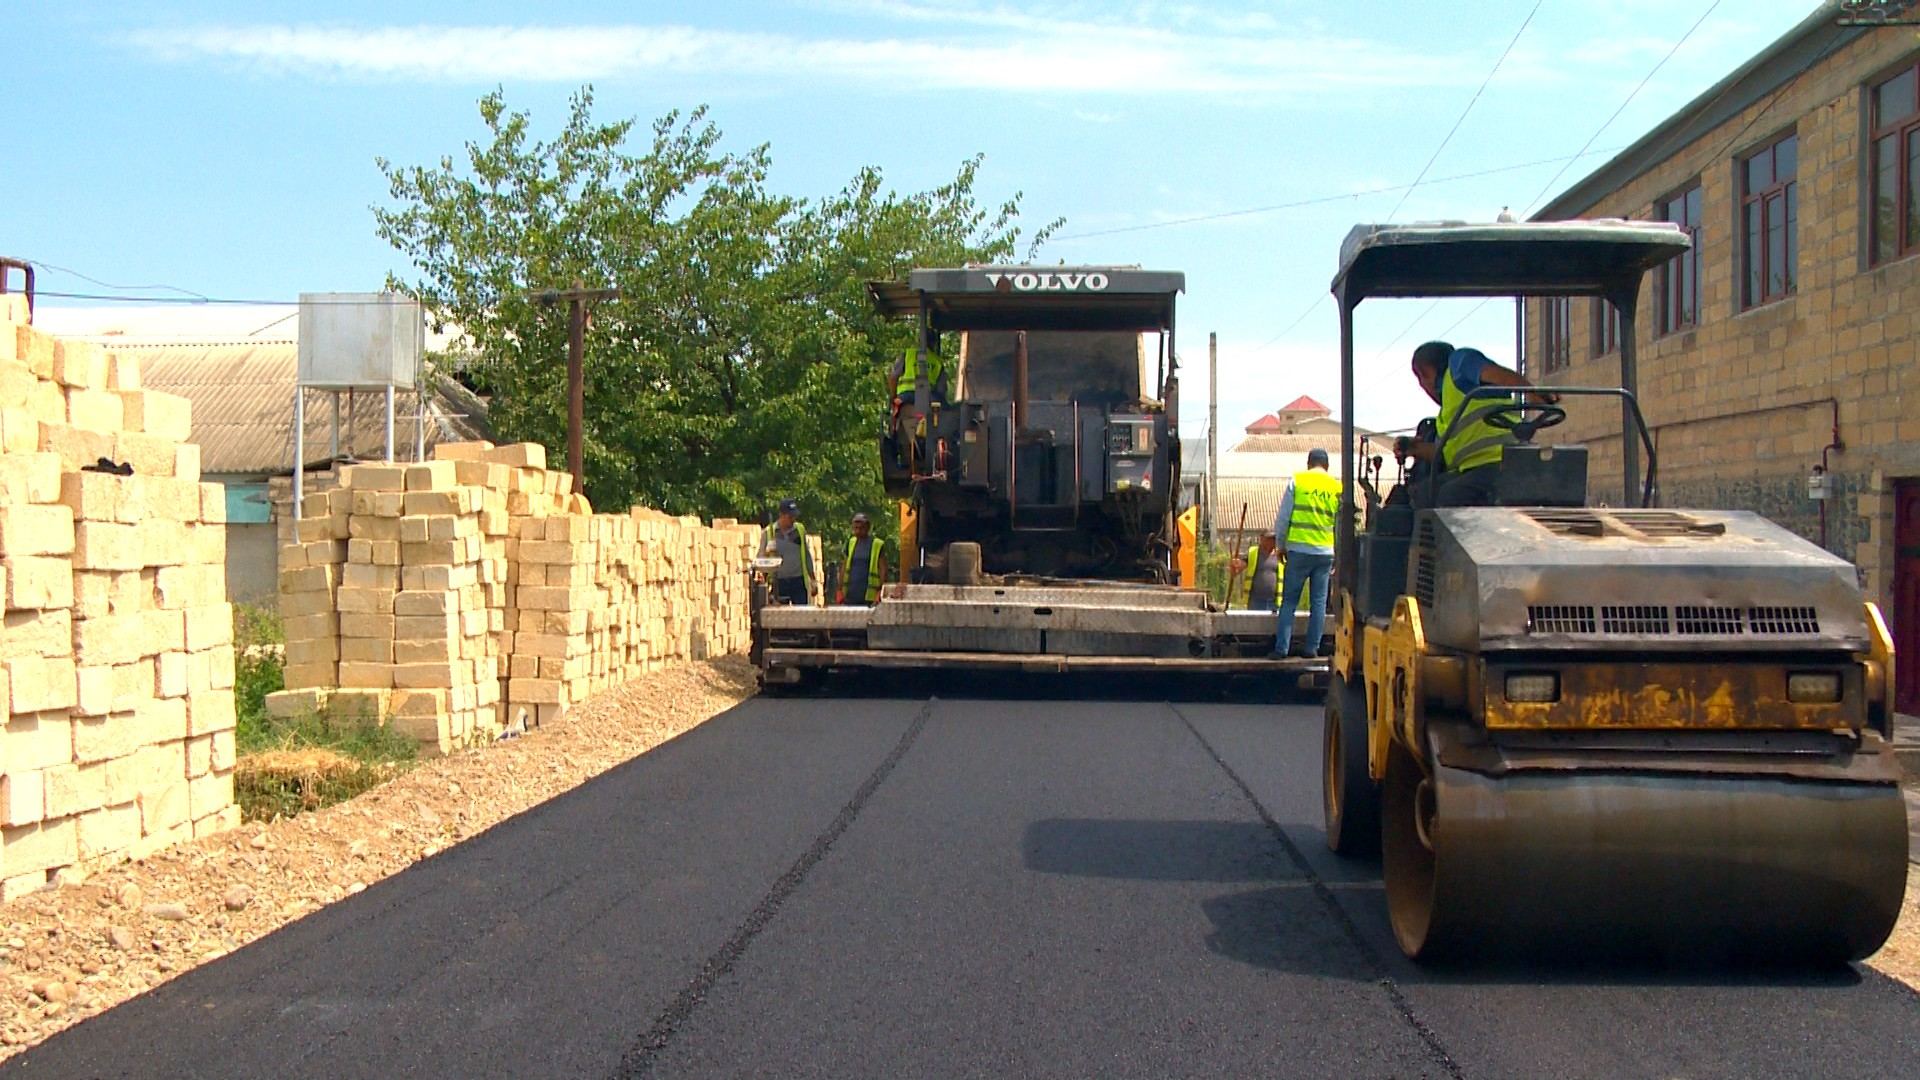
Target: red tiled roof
1305,404
1268,422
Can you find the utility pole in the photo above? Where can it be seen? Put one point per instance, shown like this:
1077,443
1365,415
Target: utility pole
1213,430
578,298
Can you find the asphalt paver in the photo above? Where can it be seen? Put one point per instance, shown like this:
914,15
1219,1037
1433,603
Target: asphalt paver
945,887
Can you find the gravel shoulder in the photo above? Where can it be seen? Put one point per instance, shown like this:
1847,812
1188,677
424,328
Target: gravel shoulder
71,952
1900,957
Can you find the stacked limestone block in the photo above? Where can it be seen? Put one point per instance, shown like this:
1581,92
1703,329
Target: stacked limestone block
116,664
312,565
506,599
408,603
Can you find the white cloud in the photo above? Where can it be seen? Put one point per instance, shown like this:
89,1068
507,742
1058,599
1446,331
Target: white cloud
1048,55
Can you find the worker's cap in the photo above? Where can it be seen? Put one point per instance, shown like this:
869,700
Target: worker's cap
1316,456
861,519
788,506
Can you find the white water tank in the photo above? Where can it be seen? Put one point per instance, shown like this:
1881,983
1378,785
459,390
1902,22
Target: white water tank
360,340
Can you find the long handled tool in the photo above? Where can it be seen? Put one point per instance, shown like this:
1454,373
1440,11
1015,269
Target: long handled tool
1239,535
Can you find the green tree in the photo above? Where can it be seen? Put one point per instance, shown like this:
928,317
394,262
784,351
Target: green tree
743,362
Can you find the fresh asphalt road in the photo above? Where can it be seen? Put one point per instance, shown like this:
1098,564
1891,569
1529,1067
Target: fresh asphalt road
941,886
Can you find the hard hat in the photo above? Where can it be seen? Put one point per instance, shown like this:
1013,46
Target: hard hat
862,519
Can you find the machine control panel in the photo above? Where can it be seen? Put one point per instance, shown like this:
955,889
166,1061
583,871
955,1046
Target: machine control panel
1130,451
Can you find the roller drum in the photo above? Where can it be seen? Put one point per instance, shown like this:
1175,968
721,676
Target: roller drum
1766,869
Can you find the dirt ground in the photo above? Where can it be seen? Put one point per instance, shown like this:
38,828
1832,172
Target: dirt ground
71,952
1900,956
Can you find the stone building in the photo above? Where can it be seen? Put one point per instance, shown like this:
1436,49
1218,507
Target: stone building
1784,342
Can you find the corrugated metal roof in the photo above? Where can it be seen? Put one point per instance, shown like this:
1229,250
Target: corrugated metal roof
1260,496
1289,444
242,395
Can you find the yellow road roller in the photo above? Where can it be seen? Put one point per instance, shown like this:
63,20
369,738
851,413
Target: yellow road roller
1560,722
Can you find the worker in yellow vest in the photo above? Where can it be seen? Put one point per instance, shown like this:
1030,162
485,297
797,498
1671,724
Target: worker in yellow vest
1304,527
906,374
1261,569
865,566
787,539
901,384
1469,457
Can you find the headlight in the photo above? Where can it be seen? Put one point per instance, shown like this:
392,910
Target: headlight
1533,686
1813,687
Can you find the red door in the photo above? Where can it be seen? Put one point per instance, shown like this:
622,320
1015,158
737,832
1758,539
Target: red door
1906,596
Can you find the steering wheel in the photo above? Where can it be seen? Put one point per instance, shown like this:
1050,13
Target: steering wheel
1523,418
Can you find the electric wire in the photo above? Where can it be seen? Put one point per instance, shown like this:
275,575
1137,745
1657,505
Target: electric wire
1641,85
1318,200
1462,118
1635,92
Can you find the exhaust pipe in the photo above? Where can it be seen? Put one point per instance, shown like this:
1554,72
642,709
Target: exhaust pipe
1020,381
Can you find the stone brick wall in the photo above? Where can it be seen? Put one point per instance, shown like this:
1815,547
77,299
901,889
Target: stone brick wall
1743,403
456,597
116,661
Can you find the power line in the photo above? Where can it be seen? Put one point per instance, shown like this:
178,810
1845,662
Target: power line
1297,320
1462,118
1623,105
1405,330
1445,334
109,284
225,301
1320,199
1418,319
1831,48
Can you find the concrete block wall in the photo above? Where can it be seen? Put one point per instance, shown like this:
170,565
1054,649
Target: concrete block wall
116,659
456,597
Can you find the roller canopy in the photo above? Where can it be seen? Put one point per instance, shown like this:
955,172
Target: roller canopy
1555,258
1034,298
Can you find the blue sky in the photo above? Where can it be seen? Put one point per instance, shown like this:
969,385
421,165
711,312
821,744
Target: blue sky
227,148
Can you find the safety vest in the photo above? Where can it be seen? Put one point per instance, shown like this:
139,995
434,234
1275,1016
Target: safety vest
909,374
1316,506
875,550
769,547
1244,594
1470,441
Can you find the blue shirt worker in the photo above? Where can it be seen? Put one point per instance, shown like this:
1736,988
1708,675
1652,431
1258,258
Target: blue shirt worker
1304,529
1468,458
793,582
864,569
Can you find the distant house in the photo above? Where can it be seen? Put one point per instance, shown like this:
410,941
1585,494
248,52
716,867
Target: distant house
242,397
1255,472
237,364
1301,416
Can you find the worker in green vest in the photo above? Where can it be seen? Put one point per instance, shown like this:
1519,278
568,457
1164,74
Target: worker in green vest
901,384
793,581
1305,527
865,567
1468,458
1261,567
906,374
1263,581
